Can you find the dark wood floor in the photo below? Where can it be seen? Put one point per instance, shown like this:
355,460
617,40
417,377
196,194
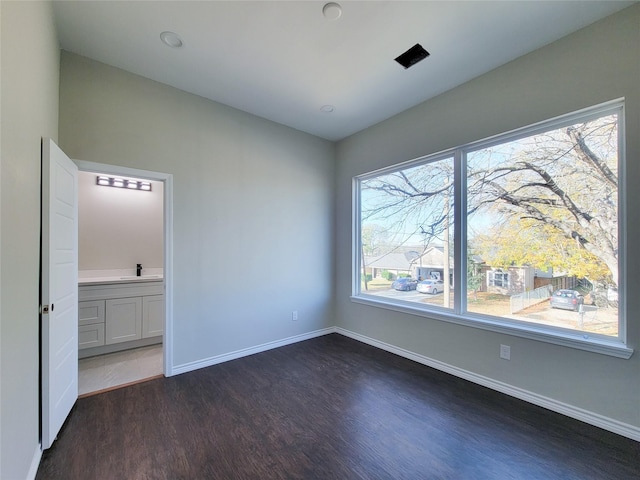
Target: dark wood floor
327,408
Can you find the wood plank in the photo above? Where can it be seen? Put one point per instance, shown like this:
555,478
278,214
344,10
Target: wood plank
327,408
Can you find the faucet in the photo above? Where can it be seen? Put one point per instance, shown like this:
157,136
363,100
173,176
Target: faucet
138,269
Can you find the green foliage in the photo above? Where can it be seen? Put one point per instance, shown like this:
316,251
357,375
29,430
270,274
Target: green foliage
474,276
518,241
387,275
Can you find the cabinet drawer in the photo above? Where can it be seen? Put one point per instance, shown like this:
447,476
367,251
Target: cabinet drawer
91,312
90,335
123,320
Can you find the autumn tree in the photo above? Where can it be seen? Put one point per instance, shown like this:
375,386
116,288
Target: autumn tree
519,241
547,199
558,193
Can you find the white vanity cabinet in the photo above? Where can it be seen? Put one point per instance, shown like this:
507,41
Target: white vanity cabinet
91,324
117,315
152,316
123,320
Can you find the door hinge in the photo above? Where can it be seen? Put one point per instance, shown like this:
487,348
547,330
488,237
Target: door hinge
45,308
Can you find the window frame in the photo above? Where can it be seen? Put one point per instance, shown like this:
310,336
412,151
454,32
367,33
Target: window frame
603,344
491,278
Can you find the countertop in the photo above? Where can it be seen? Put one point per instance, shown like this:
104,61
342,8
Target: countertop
124,279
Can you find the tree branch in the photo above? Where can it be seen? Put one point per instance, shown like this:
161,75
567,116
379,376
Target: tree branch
586,155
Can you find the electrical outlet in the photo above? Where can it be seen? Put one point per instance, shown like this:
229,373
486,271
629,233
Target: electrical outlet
294,316
505,352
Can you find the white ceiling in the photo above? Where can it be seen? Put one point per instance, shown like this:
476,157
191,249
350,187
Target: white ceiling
283,60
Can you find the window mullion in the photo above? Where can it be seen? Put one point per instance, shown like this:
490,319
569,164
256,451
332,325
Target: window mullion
357,237
460,232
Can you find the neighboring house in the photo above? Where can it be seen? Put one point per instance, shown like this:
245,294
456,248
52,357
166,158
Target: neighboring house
394,262
507,281
428,265
431,264
517,279
557,280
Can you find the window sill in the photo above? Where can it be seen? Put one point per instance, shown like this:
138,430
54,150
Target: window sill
578,340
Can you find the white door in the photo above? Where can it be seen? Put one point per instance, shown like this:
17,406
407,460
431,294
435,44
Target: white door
59,283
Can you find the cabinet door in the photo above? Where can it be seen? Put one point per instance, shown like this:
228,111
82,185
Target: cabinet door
91,312
123,320
152,316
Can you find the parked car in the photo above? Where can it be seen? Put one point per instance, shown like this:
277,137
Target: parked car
404,284
430,286
566,299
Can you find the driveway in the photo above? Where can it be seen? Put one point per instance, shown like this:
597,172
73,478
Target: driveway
593,319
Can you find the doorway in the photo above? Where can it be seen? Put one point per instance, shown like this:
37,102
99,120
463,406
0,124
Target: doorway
121,356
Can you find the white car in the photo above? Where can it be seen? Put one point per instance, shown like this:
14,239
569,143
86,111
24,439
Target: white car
430,286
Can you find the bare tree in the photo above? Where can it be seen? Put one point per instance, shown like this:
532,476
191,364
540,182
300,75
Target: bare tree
374,237
565,180
410,202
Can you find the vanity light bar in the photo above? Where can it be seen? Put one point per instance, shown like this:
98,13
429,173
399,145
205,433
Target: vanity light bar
122,183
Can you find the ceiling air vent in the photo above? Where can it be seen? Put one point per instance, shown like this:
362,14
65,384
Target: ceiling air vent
412,56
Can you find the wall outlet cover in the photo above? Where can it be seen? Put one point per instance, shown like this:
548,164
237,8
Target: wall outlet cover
505,352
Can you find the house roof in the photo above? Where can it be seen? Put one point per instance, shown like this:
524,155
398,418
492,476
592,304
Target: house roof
390,261
432,257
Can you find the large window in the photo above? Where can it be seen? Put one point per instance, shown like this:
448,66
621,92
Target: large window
486,233
407,232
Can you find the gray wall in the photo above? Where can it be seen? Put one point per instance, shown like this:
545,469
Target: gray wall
118,227
253,204
254,209
29,111
594,65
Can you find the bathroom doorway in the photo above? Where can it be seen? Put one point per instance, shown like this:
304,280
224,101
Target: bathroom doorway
124,276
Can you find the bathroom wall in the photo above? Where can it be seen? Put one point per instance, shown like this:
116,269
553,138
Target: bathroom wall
119,227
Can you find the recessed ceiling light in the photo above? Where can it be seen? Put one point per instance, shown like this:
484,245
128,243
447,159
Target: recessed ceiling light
332,11
327,108
171,39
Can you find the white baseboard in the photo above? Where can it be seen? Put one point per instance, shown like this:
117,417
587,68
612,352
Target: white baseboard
35,463
586,416
207,362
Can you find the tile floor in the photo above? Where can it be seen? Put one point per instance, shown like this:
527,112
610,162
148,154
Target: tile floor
113,369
